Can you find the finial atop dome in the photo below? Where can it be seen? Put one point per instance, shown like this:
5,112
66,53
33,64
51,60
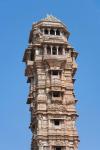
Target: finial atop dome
51,18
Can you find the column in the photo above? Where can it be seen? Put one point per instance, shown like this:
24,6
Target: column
50,147
43,31
40,147
61,34
36,51
48,31
63,50
51,49
55,31
45,50
57,49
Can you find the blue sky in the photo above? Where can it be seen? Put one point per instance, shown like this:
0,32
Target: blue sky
83,21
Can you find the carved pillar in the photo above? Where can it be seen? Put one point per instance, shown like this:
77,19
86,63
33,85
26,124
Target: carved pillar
43,31
51,49
45,50
41,148
61,34
63,50
50,147
57,49
48,31
55,31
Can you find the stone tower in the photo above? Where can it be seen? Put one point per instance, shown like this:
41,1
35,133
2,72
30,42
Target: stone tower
50,69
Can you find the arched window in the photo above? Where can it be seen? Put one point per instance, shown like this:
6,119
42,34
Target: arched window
54,51
57,32
60,51
45,31
52,32
48,50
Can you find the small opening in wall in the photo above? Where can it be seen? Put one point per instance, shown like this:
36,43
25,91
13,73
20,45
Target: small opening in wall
58,148
60,51
52,32
46,31
55,72
48,50
54,51
56,122
56,94
57,32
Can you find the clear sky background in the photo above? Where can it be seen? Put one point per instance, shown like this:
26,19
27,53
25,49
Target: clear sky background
82,18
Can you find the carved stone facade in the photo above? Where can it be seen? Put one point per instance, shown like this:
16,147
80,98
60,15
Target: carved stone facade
50,68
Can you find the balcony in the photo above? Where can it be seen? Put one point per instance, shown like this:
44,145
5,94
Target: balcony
74,66
30,98
29,71
54,60
54,55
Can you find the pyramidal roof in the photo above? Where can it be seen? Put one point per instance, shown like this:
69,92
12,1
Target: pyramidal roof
51,19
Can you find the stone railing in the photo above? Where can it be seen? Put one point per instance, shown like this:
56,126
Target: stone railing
55,57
